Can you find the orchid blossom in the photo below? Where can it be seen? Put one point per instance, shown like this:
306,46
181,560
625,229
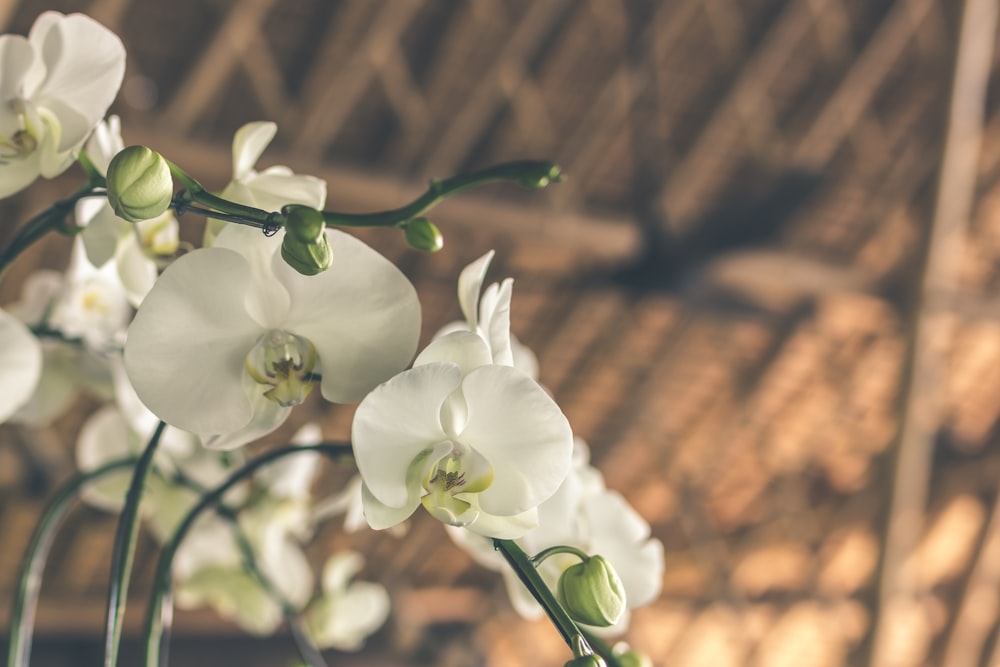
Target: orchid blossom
230,337
20,365
57,84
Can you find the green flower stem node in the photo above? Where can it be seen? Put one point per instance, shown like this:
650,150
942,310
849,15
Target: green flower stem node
422,234
592,593
139,184
305,247
304,223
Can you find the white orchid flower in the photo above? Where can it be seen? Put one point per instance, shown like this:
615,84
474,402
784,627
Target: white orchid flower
57,84
586,515
86,311
487,313
231,337
347,612
20,365
270,189
137,248
478,445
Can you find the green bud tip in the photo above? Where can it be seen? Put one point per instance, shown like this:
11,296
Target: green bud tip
592,593
139,184
626,656
422,234
540,175
307,258
592,660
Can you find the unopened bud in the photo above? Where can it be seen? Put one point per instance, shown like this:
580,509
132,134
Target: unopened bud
540,174
306,224
422,234
592,660
305,247
139,184
592,593
626,656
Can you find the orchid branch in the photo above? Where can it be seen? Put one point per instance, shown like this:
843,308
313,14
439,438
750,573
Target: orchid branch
157,627
29,582
123,551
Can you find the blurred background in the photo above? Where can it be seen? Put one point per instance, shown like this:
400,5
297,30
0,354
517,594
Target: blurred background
766,296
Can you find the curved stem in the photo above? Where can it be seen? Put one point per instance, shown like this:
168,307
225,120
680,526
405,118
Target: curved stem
530,173
29,582
124,549
525,571
601,648
41,224
160,604
537,559
197,193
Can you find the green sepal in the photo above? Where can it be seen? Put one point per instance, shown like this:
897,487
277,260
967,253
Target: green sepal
422,234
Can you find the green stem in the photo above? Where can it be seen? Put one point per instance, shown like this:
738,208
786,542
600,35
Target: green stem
197,193
601,648
124,549
22,617
525,571
41,224
537,559
527,172
157,628
307,650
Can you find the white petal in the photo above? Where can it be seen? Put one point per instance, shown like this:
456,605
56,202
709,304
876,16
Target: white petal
15,175
20,364
20,71
494,314
136,271
275,187
267,300
522,432
504,527
58,384
380,516
622,536
186,346
84,64
470,285
266,416
340,569
249,143
103,229
105,437
396,422
362,315
465,349
104,143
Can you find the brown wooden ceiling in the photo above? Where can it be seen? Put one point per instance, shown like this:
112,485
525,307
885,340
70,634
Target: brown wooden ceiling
719,293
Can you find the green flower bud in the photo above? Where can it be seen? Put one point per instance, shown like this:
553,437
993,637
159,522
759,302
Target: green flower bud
592,660
629,657
422,234
540,174
139,184
592,593
304,223
307,258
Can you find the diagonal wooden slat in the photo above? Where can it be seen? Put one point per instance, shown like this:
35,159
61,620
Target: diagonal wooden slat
338,95
496,86
202,87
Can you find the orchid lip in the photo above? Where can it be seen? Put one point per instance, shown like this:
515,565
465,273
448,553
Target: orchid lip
285,362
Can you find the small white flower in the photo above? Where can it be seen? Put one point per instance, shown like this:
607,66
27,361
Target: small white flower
477,445
346,613
57,84
137,248
270,189
487,313
20,365
586,515
231,337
